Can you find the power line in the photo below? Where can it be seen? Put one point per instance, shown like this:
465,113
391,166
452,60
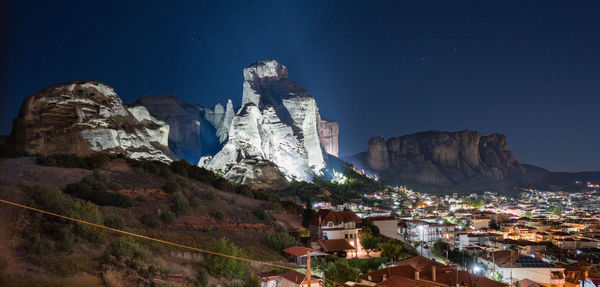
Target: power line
146,237
155,239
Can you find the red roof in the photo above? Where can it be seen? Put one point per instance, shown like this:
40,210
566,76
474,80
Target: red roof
421,263
300,251
337,217
405,271
297,277
380,218
335,245
398,281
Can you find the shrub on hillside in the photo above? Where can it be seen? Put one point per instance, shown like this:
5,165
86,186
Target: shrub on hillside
211,195
127,247
91,162
149,219
218,215
171,186
180,204
41,235
196,203
260,214
281,240
168,217
94,188
114,222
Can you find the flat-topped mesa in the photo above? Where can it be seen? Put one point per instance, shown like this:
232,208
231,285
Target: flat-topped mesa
83,117
442,158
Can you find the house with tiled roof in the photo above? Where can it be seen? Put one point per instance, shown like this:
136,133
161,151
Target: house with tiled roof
298,254
335,232
289,279
297,279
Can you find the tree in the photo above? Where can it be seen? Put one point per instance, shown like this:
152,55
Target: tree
369,242
440,248
168,217
171,186
307,213
180,205
557,212
201,277
340,272
225,267
391,250
252,281
281,240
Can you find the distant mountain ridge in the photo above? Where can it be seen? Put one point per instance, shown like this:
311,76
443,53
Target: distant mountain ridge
463,161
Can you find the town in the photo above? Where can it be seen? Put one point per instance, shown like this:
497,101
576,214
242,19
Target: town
537,238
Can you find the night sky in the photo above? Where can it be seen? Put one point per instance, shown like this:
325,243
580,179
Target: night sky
528,69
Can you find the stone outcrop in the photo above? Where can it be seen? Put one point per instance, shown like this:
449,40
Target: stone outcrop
278,124
328,135
377,154
192,134
83,117
442,158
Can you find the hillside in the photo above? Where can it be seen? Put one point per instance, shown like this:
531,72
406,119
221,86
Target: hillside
149,198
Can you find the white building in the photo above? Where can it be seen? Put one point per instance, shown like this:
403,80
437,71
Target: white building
418,230
388,226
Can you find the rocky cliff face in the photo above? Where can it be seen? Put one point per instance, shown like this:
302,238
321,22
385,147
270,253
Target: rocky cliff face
442,158
194,131
328,135
83,117
278,124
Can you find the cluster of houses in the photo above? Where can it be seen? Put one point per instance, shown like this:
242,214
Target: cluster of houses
516,241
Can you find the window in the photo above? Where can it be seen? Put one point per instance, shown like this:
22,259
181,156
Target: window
345,235
278,283
330,224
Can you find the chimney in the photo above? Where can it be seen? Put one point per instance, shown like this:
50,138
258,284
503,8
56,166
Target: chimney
433,275
417,275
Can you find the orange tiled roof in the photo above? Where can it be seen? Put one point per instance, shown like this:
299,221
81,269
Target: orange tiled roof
300,250
337,217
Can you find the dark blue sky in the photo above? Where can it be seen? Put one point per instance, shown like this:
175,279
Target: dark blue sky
529,69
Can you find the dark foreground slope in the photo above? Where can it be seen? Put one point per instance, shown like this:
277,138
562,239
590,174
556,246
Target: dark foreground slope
166,202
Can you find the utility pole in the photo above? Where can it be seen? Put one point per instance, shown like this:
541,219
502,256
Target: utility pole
308,276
